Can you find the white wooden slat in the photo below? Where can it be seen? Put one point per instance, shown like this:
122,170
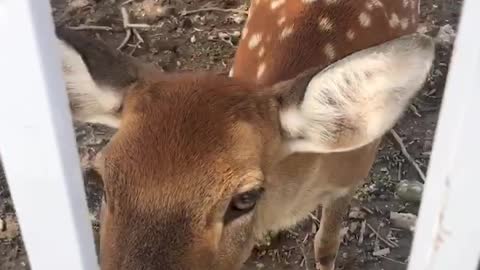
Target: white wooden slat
448,230
37,141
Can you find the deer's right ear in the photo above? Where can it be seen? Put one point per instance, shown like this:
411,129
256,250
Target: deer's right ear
97,78
355,100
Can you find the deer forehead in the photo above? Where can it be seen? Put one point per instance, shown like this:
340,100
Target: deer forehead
185,142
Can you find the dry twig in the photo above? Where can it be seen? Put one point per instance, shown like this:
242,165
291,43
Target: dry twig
189,12
386,241
139,37
126,39
82,27
407,155
126,2
362,232
130,28
392,260
314,218
127,23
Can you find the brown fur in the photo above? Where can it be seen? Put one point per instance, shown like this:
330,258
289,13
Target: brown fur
302,50
189,143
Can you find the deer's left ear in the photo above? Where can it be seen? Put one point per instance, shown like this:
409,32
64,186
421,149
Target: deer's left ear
97,78
355,100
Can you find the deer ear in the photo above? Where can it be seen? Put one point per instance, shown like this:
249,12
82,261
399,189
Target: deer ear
355,100
97,78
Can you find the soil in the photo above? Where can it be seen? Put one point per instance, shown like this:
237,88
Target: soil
206,41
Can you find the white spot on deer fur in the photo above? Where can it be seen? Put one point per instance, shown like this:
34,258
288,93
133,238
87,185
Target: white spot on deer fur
261,70
350,34
254,40
287,31
276,3
329,2
281,20
244,32
230,74
371,4
394,20
261,52
329,51
365,19
325,23
308,1
404,23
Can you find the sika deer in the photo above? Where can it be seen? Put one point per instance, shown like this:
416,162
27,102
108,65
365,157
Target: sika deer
202,165
293,37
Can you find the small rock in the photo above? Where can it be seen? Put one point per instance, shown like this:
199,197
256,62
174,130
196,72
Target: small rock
409,190
150,11
260,265
193,39
446,35
405,221
422,29
236,34
356,213
238,18
76,4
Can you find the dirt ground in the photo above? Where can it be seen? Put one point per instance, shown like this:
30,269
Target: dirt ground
182,39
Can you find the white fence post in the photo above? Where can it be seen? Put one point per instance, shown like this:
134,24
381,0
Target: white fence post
37,141
448,230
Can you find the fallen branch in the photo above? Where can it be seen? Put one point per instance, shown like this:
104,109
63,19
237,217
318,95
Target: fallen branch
189,12
130,28
126,39
126,20
139,37
90,27
385,241
407,155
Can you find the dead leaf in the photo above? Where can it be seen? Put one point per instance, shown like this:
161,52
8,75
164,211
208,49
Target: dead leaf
9,228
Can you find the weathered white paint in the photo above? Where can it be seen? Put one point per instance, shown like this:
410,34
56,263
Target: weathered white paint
448,229
37,142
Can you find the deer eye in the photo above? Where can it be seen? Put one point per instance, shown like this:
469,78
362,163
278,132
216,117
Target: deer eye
243,203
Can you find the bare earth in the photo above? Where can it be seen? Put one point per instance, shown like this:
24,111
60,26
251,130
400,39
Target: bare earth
206,41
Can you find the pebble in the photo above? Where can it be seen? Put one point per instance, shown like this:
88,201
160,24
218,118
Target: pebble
446,35
409,190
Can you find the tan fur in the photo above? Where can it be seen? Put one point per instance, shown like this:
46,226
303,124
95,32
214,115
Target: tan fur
320,178
189,144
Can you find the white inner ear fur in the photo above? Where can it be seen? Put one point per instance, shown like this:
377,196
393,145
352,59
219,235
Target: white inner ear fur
358,99
91,103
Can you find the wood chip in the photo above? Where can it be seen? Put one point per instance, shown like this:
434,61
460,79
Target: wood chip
10,228
381,252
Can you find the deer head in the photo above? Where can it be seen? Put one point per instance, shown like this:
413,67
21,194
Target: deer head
186,175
